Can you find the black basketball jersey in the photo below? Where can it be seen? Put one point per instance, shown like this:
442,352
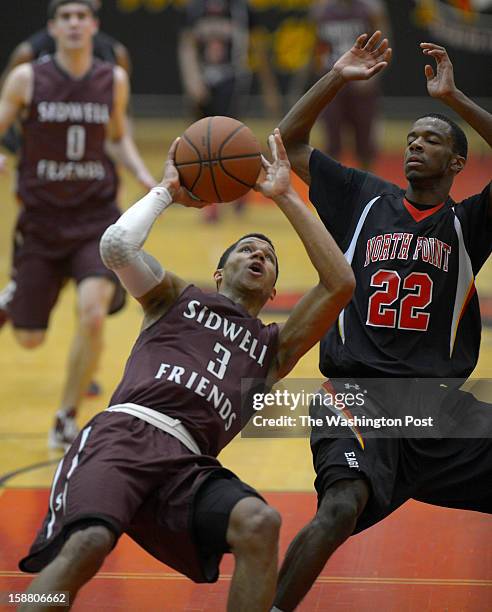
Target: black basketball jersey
221,28
194,364
415,309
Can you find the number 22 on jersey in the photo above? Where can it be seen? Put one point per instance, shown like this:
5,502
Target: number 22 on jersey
414,294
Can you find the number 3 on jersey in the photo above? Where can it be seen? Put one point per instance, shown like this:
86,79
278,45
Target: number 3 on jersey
218,366
417,295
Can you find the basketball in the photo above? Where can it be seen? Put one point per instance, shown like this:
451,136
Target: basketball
218,159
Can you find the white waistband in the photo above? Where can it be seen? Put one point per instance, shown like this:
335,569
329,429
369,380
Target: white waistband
174,427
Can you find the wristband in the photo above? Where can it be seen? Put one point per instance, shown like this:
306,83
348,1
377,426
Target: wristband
161,197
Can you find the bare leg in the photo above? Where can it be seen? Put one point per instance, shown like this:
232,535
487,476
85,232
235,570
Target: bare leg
80,558
308,553
94,298
252,534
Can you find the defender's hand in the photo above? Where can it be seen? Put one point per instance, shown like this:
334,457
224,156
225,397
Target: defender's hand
366,58
440,84
276,180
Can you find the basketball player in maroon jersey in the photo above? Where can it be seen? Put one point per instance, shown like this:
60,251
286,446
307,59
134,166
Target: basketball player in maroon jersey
411,334
69,105
181,400
105,47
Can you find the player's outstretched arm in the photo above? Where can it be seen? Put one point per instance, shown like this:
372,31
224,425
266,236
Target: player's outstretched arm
319,308
189,66
121,244
441,85
367,57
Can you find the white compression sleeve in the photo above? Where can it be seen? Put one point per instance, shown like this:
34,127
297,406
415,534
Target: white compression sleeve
121,244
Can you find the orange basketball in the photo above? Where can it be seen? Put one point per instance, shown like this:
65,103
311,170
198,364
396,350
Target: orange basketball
218,159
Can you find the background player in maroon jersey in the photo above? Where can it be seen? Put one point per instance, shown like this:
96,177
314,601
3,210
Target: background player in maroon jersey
69,105
414,314
173,412
41,43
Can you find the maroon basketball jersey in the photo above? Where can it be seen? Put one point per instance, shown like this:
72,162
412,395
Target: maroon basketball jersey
193,364
63,164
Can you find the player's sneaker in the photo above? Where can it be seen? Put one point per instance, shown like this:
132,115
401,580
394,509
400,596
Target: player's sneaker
64,431
6,296
94,389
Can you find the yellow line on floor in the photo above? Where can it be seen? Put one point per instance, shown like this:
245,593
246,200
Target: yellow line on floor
321,579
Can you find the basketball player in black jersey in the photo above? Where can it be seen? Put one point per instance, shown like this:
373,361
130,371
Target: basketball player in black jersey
414,314
147,465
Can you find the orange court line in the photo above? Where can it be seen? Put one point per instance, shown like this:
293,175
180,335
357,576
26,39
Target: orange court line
327,579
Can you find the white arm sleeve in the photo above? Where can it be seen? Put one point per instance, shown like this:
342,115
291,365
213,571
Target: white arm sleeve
121,244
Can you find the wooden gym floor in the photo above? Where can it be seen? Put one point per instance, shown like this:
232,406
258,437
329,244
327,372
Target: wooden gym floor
421,558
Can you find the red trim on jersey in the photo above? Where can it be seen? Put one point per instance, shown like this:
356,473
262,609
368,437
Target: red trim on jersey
420,215
471,293
330,389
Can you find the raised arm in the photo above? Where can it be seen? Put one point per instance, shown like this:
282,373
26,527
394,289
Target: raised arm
189,66
441,85
319,308
121,245
366,58
121,144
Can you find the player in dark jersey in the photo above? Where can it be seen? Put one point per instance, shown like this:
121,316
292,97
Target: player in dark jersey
69,105
337,24
213,57
147,465
414,317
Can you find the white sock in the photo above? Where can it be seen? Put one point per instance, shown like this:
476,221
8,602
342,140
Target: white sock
275,609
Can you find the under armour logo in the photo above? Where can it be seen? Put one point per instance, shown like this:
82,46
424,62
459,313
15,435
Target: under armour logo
356,387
